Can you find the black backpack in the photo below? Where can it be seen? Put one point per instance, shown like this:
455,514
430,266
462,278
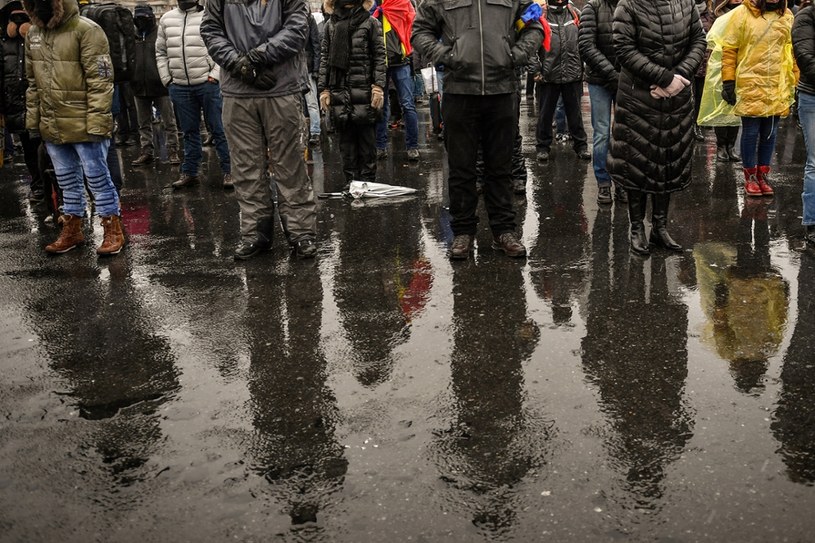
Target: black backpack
117,23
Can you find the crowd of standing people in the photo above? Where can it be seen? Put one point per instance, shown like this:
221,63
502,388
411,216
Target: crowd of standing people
254,71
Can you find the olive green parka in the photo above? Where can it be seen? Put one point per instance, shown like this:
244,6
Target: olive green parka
70,76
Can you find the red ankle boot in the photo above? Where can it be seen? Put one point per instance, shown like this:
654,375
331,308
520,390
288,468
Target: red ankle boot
763,174
751,186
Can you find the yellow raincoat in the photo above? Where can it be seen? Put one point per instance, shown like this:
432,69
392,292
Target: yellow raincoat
757,54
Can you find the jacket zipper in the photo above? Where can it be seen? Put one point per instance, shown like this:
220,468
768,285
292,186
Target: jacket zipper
183,51
481,33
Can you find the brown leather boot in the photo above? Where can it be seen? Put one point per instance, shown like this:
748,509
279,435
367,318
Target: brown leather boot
510,244
145,158
114,237
69,237
185,180
462,247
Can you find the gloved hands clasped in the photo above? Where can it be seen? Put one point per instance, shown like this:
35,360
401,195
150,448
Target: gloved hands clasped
676,86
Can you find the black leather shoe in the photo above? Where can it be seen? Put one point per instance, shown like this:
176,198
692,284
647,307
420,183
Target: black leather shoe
584,154
247,250
462,247
604,195
305,247
510,244
721,154
809,235
734,156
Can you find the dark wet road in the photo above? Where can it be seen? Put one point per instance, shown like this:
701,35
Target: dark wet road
383,393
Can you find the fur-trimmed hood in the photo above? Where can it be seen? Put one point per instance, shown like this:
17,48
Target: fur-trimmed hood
63,10
328,6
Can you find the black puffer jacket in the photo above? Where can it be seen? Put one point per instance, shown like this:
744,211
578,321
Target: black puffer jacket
351,90
477,43
146,80
803,43
14,82
651,144
562,63
597,44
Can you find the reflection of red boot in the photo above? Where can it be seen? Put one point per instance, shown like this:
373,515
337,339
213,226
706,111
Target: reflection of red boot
763,174
751,187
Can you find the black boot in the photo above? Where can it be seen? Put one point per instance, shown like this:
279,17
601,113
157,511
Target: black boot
732,136
722,154
659,223
262,241
697,133
809,234
636,214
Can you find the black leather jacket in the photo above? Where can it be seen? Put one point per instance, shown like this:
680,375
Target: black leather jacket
803,43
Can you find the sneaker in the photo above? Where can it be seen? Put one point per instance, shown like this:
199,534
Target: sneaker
305,247
173,158
462,247
247,250
381,154
604,195
229,183
620,195
413,155
185,180
145,158
510,244
543,156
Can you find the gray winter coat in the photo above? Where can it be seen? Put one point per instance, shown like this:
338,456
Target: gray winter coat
477,42
276,29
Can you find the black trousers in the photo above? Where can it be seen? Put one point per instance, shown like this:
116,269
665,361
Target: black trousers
31,148
572,94
470,120
358,149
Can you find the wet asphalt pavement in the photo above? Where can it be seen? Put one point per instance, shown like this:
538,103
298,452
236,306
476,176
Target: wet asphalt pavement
383,393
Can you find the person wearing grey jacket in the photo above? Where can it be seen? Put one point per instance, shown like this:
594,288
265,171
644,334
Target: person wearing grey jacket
480,47
259,46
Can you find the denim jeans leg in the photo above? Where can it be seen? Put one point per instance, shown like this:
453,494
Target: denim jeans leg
806,113
600,99
313,108
766,141
382,124
213,109
68,171
749,140
94,164
404,89
189,120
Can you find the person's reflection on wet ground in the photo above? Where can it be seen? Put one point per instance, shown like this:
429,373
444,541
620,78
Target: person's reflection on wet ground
794,420
293,410
635,354
118,369
382,281
744,298
494,441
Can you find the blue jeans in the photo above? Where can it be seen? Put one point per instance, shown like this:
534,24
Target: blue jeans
806,114
189,102
758,140
71,161
313,108
403,82
601,101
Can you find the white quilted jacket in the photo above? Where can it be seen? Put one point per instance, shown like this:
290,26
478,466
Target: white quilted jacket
181,54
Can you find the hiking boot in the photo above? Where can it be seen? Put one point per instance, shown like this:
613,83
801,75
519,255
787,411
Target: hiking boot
604,195
762,177
185,180
381,154
145,158
114,238
173,158
584,154
462,247
751,186
229,183
314,140
69,237
262,242
542,156
305,247
413,155
620,195
509,243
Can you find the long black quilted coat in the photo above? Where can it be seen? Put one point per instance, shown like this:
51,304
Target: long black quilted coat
652,139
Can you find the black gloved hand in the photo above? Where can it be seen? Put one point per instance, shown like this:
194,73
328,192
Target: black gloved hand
729,92
257,58
244,70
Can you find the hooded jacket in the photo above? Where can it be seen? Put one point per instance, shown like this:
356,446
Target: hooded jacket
757,55
803,42
181,54
276,30
146,79
12,78
477,41
562,62
351,90
597,44
70,76
652,140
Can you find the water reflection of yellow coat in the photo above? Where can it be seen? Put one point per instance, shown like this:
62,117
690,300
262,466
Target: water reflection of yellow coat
746,314
757,54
